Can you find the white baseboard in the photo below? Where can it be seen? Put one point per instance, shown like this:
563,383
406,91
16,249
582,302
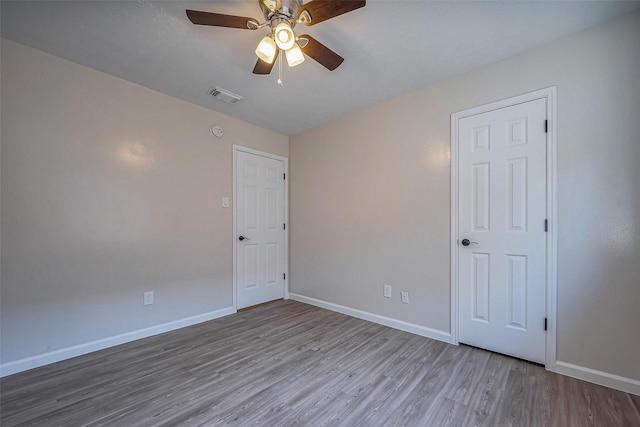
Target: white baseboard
376,318
606,379
78,350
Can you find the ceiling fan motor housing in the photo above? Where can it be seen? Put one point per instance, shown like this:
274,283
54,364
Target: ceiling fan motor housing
287,12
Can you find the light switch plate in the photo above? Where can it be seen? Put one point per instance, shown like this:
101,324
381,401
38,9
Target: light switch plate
225,202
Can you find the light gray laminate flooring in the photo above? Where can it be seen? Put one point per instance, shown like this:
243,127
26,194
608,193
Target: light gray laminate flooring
292,364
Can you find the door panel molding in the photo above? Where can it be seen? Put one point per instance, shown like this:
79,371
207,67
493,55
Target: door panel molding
285,161
549,95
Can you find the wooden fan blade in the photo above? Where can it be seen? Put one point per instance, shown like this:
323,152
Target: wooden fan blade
220,20
263,67
322,54
321,10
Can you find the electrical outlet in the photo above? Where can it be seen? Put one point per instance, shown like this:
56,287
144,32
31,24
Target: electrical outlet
405,297
148,298
387,291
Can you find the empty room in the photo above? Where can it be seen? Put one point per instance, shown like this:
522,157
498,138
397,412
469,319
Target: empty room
292,212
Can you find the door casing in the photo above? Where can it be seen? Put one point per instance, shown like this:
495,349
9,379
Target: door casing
285,161
549,95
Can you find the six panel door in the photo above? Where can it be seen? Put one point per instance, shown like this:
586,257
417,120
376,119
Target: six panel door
502,211
260,229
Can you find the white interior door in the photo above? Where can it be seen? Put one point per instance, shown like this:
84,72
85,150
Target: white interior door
260,254
501,224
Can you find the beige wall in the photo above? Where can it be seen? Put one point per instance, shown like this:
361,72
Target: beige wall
109,190
370,196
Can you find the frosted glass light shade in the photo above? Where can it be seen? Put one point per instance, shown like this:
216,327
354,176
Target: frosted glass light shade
284,36
294,56
266,50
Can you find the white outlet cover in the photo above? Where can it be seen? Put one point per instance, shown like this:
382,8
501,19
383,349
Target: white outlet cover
148,298
387,291
405,297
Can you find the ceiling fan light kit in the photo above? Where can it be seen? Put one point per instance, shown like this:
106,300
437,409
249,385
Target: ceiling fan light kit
281,16
284,36
267,49
294,56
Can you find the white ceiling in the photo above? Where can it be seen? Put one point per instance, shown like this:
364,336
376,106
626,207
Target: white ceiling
390,48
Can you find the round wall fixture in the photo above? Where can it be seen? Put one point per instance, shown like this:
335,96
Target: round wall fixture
216,131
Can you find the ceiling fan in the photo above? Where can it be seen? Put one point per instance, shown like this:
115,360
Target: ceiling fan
281,16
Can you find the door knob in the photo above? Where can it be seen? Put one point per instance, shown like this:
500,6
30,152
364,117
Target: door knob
241,238
467,242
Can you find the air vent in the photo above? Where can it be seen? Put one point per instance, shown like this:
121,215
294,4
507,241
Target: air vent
225,95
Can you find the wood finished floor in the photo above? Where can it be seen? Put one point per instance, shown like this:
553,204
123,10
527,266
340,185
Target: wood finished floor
291,364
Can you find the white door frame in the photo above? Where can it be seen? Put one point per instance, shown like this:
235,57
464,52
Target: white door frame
237,148
549,94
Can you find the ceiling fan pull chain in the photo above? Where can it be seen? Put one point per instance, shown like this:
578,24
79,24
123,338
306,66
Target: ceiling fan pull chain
280,70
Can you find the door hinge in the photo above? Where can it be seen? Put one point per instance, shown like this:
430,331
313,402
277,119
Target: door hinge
545,323
284,176
284,226
546,225
284,277
546,126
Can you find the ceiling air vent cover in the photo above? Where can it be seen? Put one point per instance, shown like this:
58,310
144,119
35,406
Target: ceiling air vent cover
225,95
